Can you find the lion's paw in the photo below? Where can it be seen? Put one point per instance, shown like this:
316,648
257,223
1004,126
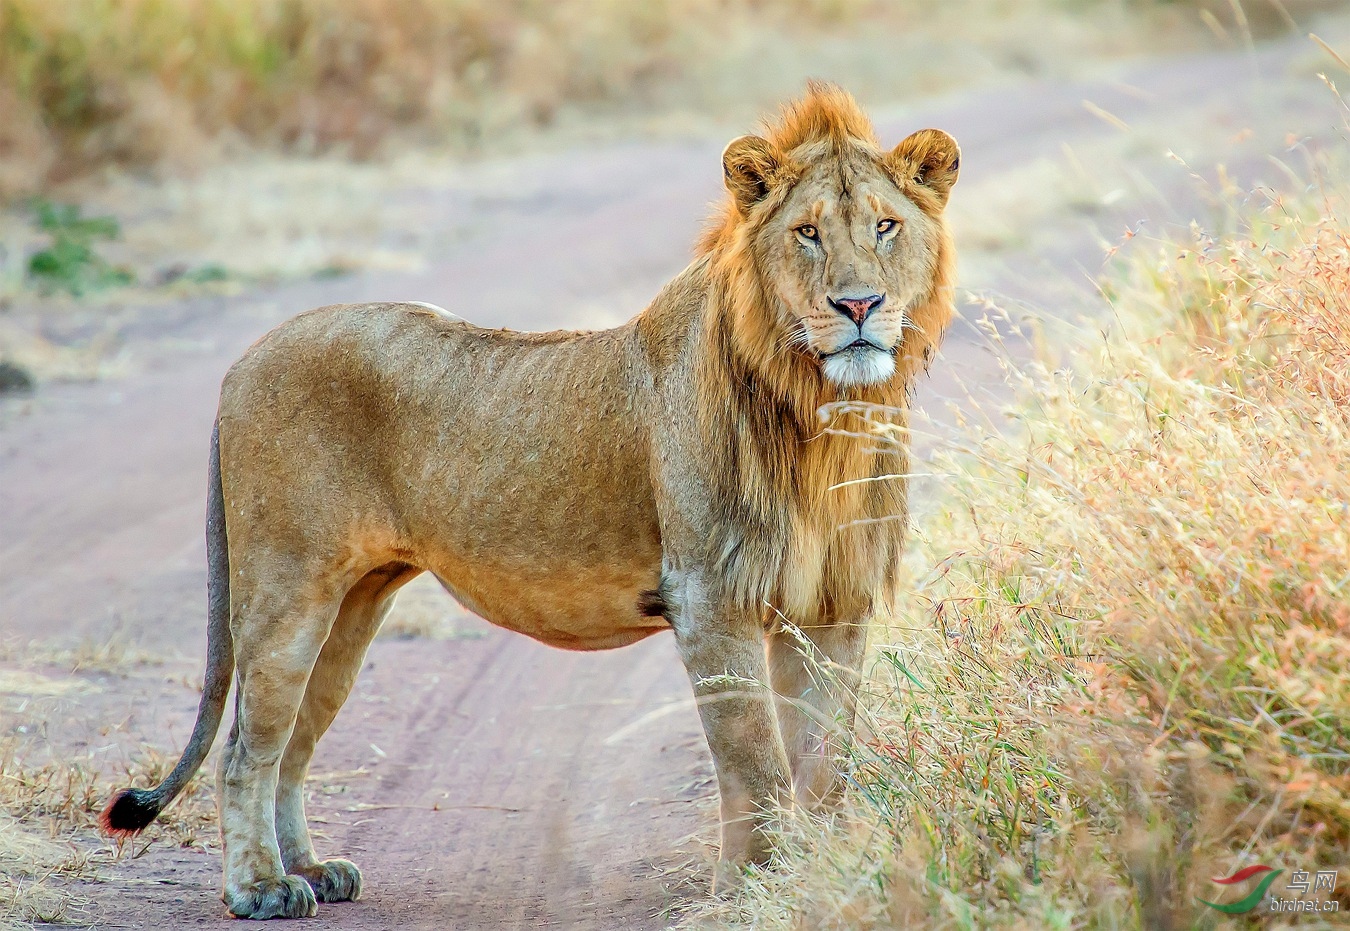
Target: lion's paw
728,877
333,880
287,897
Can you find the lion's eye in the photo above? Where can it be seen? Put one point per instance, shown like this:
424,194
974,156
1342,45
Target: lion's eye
887,226
808,232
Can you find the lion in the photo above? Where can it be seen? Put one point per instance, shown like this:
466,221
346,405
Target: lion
700,469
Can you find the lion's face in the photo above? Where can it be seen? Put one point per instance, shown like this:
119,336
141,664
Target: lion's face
850,255
849,243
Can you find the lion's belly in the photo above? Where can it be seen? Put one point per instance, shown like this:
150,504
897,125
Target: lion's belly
549,558
576,608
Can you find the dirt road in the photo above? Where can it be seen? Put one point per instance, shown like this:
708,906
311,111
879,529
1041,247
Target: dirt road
485,781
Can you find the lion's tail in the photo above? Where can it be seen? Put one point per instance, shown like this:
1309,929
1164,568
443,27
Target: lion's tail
131,810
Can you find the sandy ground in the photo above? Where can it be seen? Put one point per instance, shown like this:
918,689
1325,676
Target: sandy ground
482,780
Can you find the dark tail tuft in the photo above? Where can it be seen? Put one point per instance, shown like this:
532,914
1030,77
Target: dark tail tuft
129,812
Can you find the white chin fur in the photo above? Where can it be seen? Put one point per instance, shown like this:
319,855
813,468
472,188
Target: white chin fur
857,367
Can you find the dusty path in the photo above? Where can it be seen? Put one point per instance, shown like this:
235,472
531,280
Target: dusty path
487,781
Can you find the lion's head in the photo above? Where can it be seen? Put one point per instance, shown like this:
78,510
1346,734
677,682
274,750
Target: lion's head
838,249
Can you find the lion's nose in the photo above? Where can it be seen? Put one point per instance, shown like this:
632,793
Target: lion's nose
857,309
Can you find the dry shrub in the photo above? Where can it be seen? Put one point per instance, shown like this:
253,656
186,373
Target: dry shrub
1126,665
89,82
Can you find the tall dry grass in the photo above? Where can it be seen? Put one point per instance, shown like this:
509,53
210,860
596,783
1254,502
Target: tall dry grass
1125,665
85,83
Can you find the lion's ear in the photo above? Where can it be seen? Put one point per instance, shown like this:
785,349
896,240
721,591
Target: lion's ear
929,157
748,164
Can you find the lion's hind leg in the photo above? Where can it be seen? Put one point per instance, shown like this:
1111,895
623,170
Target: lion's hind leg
363,610
278,634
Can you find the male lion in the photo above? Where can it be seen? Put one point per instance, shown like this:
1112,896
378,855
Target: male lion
587,489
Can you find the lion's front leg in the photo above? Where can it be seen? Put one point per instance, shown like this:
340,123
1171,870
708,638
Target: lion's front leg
723,652
816,684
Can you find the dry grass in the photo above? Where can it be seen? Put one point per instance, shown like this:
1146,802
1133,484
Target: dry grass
113,653
85,83
65,797
48,831
27,861
1125,667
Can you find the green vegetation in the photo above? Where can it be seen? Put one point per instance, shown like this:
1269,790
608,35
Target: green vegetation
70,263
1125,665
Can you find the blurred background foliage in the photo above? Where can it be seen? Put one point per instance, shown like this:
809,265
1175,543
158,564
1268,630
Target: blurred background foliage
167,83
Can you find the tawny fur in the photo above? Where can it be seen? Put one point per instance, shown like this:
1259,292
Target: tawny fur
591,489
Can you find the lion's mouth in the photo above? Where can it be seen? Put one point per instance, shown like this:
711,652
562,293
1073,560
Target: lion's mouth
855,346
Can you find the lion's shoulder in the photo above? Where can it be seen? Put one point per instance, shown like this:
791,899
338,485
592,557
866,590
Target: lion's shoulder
665,328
